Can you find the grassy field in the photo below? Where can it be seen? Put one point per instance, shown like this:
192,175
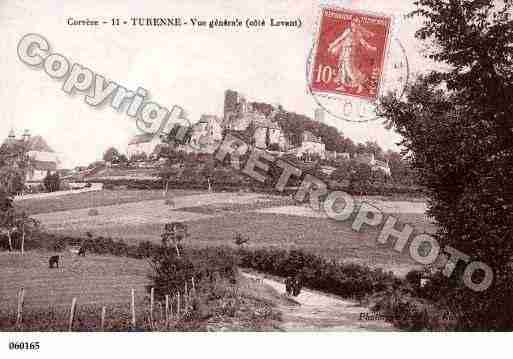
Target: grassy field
93,199
84,278
215,218
98,281
95,281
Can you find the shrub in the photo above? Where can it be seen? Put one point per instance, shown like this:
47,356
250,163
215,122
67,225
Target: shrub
52,182
93,212
345,280
203,266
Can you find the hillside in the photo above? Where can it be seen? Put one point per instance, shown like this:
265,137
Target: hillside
293,125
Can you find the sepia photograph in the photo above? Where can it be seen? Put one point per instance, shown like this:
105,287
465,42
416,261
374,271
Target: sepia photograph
266,171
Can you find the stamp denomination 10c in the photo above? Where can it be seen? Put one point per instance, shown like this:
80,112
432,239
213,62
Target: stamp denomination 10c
350,53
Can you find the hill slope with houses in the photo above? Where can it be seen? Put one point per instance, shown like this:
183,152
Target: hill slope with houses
266,127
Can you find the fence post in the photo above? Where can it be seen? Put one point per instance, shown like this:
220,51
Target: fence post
72,314
167,310
102,324
19,313
178,305
161,311
132,307
186,297
152,303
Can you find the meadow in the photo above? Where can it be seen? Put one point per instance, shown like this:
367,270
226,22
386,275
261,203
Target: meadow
215,218
93,199
98,281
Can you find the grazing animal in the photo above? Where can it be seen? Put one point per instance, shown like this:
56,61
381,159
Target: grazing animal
289,284
298,285
82,251
293,286
240,240
54,260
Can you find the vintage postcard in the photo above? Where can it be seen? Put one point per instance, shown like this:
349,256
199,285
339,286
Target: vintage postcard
170,167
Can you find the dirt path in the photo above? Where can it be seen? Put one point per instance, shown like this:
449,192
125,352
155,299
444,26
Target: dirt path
320,312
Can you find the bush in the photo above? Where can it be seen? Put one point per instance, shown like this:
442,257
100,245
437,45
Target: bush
345,280
52,182
204,267
93,212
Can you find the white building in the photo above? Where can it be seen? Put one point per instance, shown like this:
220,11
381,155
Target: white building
333,155
42,159
207,133
375,165
310,146
143,144
269,133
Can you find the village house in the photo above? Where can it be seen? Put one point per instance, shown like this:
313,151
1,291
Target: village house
375,165
269,135
206,134
334,155
239,115
143,144
311,146
42,159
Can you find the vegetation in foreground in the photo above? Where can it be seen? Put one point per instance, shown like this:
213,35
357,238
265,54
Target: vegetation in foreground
221,293
224,303
456,124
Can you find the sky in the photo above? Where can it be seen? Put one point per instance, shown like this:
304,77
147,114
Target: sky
178,66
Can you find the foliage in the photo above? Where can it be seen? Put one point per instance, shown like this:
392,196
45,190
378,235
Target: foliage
111,155
14,163
457,126
52,182
203,266
141,157
344,279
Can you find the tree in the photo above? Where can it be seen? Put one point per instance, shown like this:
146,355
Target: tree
111,155
25,225
240,240
7,217
122,158
458,126
401,168
52,182
12,179
374,148
174,232
343,171
14,164
360,178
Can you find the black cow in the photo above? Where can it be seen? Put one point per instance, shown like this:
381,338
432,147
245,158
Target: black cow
82,251
289,285
293,285
54,260
298,285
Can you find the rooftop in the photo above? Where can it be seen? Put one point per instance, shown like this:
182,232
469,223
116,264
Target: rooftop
142,138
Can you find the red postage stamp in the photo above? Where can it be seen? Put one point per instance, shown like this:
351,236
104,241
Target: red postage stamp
350,53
